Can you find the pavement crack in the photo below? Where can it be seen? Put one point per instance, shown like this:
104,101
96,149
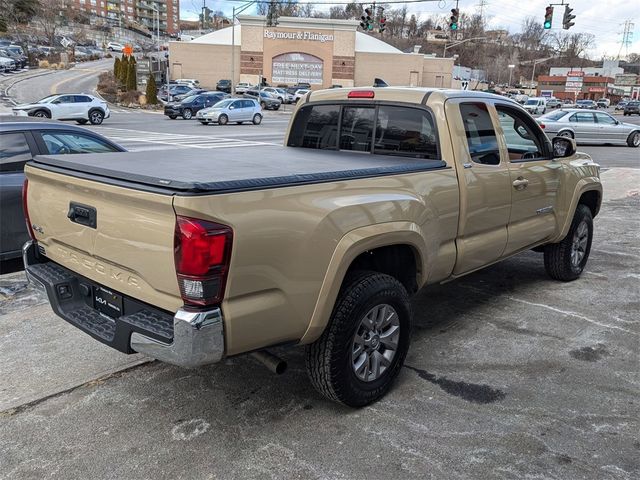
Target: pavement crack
25,407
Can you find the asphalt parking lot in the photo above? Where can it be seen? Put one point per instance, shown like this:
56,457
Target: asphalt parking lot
510,375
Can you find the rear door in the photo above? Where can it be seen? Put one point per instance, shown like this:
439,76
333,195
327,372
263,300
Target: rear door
534,176
584,127
16,149
485,184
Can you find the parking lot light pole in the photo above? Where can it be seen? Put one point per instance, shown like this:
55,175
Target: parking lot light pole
511,67
447,47
234,13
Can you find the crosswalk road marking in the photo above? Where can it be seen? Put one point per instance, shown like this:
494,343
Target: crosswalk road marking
142,140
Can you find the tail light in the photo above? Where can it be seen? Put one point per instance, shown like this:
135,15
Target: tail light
541,125
202,252
361,94
25,208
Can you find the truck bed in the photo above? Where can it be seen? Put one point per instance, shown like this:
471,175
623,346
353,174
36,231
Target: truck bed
230,170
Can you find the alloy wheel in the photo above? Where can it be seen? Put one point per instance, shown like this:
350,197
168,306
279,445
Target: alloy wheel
579,244
375,342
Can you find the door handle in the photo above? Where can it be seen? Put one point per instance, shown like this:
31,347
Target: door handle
520,183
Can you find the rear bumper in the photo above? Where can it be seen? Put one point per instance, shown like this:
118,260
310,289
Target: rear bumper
187,339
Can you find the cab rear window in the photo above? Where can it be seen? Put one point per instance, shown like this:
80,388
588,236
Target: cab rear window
382,129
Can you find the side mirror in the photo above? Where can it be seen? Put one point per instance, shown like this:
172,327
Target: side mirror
563,147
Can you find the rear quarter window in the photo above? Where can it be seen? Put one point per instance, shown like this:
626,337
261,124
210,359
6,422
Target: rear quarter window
14,152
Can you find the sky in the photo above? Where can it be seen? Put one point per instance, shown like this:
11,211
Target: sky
603,18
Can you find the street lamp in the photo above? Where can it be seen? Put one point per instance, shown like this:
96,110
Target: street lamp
511,67
157,12
447,47
235,12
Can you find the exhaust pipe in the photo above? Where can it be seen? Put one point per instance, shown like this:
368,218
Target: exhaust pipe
269,360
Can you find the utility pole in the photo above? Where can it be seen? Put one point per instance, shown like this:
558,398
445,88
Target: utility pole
204,9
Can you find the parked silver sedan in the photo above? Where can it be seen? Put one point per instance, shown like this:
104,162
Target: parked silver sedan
232,110
589,126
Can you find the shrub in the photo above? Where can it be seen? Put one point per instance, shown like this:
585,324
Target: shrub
128,97
43,64
116,67
152,90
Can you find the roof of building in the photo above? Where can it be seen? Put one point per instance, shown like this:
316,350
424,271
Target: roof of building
364,43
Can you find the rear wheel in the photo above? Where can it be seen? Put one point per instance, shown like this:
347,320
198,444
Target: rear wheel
257,118
96,117
634,140
566,134
187,114
42,114
566,260
362,350
223,119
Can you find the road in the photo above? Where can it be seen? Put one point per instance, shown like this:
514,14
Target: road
509,376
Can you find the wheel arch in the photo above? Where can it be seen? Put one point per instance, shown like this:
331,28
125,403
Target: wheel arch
32,112
588,193
395,248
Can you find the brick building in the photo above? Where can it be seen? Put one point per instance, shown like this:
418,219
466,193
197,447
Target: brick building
593,87
143,12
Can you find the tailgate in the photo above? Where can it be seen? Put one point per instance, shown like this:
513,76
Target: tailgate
130,247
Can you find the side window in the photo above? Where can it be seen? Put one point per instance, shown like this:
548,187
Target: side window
605,119
65,99
248,104
481,137
405,131
356,128
82,99
14,152
582,117
315,127
237,104
64,143
521,139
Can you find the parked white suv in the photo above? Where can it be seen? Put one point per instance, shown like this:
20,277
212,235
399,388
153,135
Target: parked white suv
115,47
82,108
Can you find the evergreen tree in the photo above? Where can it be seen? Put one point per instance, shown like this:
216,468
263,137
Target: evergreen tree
116,67
132,80
152,90
124,70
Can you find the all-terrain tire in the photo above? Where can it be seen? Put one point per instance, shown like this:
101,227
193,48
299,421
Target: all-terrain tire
329,359
566,260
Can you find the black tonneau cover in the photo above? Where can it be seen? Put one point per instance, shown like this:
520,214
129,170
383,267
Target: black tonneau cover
232,169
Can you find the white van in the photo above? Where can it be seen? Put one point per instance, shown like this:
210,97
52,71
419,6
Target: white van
536,105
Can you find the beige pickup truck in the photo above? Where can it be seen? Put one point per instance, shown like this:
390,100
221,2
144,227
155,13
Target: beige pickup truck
197,256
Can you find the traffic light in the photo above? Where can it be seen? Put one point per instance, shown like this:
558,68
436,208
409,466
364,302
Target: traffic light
363,22
382,24
453,21
566,19
548,17
369,19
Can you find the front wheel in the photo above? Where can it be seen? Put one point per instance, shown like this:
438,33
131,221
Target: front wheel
634,140
96,117
223,119
187,114
566,134
566,260
42,114
257,118
362,350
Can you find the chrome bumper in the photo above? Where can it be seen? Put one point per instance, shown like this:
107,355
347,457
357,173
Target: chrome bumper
198,339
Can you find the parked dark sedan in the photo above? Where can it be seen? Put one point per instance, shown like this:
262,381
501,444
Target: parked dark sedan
632,108
188,107
267,100
590,104
20,140
224,86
